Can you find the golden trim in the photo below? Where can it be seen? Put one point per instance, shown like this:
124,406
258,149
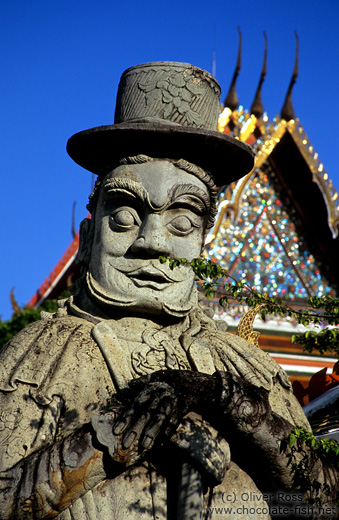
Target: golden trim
245,327
229,204
320,176
245,125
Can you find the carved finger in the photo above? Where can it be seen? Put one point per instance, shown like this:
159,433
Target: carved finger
155,426
131,415
134,432
149,425
121,425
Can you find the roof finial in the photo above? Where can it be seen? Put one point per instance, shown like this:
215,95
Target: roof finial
287,111
231,100
257,107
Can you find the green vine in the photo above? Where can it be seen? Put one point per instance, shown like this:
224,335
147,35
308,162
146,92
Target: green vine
320,310
327,340
303,462
326,448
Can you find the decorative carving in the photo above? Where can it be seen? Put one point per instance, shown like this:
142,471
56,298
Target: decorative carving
171,92
177,92
157,352
245,327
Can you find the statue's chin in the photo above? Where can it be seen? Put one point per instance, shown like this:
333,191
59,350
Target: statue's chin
149,306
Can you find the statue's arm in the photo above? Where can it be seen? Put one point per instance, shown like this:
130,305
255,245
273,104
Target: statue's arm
47,457
260,437
44,483
243,416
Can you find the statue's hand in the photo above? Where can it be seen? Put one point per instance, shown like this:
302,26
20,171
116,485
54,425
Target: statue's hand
151,412
202,446
159,401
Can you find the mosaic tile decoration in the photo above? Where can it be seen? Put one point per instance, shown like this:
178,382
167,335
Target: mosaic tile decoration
263,246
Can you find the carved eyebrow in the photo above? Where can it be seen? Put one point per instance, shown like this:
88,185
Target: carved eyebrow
191,195
188,194
131,188
126,186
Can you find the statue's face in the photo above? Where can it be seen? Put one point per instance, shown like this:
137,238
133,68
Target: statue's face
144,211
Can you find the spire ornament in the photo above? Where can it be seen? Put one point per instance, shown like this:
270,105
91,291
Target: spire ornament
231,100
257,108
287,111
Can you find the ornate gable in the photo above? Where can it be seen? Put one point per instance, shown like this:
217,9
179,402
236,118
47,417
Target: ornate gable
277,227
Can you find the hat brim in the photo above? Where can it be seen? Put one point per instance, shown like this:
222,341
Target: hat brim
226,158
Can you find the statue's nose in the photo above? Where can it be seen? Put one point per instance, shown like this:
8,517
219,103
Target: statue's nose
152,238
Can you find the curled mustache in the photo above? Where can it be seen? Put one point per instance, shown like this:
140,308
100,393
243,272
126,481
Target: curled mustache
137,266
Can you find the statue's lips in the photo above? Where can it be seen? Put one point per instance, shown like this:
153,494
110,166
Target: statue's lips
150,276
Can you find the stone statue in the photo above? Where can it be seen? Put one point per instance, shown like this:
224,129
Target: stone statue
130,402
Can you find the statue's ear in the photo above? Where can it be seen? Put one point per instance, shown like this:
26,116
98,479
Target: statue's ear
85,241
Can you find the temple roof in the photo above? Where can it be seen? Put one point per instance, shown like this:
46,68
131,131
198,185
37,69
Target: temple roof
282,218
60,278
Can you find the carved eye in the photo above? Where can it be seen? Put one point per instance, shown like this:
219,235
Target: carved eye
123,219
181,225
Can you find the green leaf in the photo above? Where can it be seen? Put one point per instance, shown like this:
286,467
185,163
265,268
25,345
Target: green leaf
291,440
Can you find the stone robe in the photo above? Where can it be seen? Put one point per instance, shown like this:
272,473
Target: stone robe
58,373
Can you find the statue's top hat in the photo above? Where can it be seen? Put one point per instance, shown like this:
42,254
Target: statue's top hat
165,110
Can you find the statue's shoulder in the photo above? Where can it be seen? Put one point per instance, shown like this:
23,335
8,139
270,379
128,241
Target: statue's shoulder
37,347
236,354
49,324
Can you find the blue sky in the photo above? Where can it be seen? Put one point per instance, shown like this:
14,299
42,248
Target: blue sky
61,62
